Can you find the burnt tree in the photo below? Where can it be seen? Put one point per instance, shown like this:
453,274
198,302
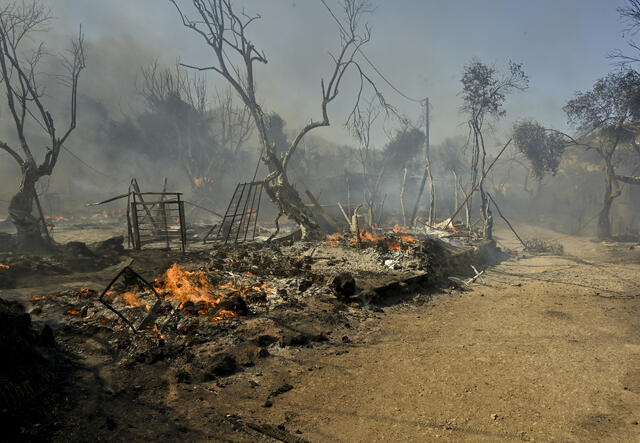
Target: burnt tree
224,31
180,123
372,172
20,56
484,91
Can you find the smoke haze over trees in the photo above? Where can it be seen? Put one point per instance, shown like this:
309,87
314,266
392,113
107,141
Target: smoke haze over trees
122,133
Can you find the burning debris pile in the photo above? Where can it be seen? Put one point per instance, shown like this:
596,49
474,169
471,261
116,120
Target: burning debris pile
397,240
196,296
253,279
203,318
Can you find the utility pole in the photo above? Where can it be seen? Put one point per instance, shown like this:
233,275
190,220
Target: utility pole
427,174
432,190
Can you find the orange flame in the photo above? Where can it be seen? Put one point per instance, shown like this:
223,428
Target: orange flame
402,241
154,328
72,312
57,218
334,239
184,286
86,293
407,238
402,230
43,297
132,299
4,266
367,236
193,290
224,314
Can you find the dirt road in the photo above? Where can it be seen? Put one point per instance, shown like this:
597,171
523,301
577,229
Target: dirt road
547,350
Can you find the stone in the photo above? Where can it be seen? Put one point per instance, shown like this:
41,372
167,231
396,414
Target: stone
343,284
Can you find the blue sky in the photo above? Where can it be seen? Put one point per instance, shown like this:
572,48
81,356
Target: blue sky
420,45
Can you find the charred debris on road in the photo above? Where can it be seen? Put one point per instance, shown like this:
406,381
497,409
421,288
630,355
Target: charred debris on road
219,306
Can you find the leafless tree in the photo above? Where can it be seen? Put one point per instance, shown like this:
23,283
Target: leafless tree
20,22
224,31
233,123
371,176
204,137
630,15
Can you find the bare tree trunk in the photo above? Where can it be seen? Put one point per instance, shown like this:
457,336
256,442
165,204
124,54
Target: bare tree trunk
467,213
612,191
467,209
420,191
487,217
29,231
225,31
455,191
404,183
289,203
18,77
432,190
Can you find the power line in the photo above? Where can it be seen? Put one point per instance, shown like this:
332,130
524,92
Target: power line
71,152
87,165
415,100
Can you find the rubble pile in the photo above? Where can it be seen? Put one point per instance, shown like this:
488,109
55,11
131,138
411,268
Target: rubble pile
252,280
215,317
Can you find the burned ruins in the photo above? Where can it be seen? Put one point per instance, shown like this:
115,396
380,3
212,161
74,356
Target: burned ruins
230,220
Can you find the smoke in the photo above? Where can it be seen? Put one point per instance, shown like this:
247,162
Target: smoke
421,48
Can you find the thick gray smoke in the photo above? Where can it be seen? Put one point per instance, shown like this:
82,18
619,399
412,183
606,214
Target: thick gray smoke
122,37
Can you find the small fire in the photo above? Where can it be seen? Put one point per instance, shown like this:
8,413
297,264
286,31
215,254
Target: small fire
194,292
367,236
197,182
224,314
407,238
104,214
371,237
72,312
86,293
156,332
334,239
400,241
453,228
185,286
43,297
57,218
4,266
402,233
132,299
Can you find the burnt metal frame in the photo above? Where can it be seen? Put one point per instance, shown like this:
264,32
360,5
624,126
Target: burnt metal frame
249,211
160,227
118,313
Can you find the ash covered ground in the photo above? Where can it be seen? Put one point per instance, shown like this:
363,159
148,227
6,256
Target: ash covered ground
209,320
